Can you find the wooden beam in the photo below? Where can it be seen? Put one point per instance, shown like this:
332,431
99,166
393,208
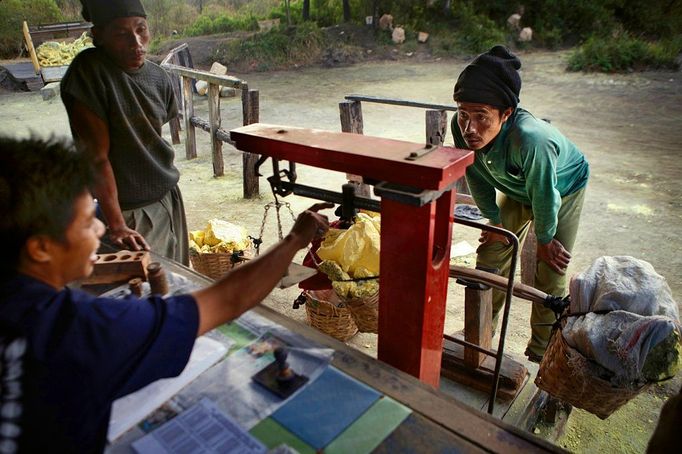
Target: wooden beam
31,49
400,102
351,121
251,101
190,134
174,125
225,81
221,134
512,373
214,120
436,126
520,290
351,116
478,324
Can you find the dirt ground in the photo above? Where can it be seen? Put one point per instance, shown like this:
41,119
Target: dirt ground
627,125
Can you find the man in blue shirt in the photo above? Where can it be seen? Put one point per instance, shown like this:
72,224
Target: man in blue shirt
524,170
67,355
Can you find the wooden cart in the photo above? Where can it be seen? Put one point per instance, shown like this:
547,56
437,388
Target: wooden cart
34,36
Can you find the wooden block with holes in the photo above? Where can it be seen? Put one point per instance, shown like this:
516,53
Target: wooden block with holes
118,267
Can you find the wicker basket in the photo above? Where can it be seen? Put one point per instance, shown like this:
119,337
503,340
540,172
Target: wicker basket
565,373
365,313
329,315
216,265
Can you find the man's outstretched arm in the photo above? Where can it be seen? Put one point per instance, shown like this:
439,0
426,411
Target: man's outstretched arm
248,284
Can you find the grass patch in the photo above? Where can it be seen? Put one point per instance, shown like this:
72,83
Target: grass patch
224,23
624,53
276,49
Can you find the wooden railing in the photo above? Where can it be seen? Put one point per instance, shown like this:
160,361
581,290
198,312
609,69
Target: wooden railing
436,127
250,114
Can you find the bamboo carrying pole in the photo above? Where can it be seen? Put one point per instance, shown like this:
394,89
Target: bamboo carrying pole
520,290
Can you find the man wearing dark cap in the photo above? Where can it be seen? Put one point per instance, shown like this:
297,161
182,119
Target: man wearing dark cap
117,103
524,170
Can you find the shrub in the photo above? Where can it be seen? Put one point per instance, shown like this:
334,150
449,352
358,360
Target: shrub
624,53
476,33
205,25
12,15
275,49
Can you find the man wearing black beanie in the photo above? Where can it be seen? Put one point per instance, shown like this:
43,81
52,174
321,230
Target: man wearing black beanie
524,170
117,103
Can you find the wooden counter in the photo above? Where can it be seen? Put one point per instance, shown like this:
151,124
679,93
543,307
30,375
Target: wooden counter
439,423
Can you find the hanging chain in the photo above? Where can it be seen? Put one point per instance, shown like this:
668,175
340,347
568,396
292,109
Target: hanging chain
277,205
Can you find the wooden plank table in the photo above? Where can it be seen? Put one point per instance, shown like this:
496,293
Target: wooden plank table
439,423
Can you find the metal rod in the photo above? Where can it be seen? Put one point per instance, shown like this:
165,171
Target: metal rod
400,102
469,344
329,196
507,300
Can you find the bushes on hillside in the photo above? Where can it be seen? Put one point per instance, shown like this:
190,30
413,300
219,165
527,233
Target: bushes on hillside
12,15
275,49
224,23
624,53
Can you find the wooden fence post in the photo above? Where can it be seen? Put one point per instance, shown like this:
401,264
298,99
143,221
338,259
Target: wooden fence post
214,120
436,126
251,113
190,134
351,121
478,323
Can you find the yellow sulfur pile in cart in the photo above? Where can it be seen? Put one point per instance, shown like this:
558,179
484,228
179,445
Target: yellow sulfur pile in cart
52,53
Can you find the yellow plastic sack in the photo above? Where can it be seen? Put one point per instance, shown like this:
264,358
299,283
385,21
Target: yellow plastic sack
357,247
351,254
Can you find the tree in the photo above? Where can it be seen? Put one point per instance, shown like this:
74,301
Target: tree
288,9
346,11
306,10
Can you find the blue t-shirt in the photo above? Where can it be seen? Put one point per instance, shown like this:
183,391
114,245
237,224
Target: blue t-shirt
83,352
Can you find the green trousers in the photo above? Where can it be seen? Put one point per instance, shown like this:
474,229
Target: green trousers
517,218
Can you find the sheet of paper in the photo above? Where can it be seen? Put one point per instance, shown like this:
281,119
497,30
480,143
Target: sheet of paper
131,409
461,249
203,428
230,386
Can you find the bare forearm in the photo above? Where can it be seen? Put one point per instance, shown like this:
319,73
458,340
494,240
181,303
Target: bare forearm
245,286
107,195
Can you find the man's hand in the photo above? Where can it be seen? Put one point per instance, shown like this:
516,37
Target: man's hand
127,238
555,255
488,237
310,224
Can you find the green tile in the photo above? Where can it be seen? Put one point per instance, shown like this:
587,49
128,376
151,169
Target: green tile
272,434
368,431
238,334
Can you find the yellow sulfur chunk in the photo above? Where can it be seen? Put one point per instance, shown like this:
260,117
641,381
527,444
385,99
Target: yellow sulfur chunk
197,236
218,231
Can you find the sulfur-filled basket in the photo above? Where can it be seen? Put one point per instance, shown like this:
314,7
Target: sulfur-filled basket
327,313
216,264
365,312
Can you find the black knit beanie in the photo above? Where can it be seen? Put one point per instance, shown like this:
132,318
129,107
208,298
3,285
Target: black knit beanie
101,12
492,78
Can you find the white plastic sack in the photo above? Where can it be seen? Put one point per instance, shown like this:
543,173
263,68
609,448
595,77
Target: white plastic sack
619,341
625,283
644,315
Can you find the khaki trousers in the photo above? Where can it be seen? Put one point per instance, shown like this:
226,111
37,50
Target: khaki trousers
517,218
163,226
